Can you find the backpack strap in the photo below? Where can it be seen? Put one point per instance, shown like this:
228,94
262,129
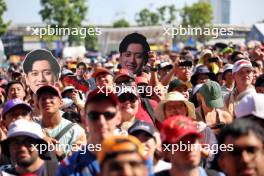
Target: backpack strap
64,131
148,107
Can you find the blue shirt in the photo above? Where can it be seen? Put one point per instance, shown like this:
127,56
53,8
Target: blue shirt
79,164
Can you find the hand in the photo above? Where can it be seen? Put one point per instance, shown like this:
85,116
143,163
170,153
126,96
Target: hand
152,58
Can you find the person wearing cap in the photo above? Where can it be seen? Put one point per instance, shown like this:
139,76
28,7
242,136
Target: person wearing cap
201,75
40,68
103,77
211,102
122,155
182,70
128,105
15,89
25,146
148,136
229,82
133,51
179,86
243,75
245,156
142,86
180,130
259,85
124,77
49,102
174,104
251,106
101,119
144,131
15,109
163,69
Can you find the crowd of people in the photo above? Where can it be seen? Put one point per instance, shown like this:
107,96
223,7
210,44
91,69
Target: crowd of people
138,113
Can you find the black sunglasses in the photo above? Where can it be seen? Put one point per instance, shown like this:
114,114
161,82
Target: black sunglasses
127,97
94,115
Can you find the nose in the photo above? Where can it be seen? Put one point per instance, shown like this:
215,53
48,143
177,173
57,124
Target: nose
245,157
102,120
126,170
42,78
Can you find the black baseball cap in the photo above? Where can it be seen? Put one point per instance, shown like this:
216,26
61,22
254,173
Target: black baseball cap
142,126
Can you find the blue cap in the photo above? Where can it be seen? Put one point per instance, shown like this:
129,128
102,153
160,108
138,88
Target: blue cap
10,104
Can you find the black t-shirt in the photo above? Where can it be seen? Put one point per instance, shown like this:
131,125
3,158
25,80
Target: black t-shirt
163,173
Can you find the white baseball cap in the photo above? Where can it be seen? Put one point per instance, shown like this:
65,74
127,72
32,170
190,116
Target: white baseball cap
241,64
250,104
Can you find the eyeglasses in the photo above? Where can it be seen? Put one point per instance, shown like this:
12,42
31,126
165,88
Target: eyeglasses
251,150
94,115
127,97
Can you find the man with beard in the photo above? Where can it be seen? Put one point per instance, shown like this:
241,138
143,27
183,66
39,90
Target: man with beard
23,145
246,138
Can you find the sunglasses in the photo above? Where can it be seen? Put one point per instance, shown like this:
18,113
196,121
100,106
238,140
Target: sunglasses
127,97
94,115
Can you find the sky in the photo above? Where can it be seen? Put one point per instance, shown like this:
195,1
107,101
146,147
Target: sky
105,12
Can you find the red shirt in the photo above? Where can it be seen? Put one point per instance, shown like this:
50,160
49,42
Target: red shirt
142,113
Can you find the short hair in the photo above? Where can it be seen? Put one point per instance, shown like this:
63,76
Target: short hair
135,38
81,64
241,127
39,55
260,81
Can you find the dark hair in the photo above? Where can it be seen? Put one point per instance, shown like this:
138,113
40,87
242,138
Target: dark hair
241,127
260,81
135,38
81,64
233,57
11,83
39,55
238,128
255,64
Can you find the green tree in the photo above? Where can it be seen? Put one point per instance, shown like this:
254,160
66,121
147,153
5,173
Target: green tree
3,25
147,18
91,42
199,15
167,14
121,23
64,14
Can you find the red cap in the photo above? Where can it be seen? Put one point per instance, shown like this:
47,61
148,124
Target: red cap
176,127
109,94
99,71
123,72
141,79
47,88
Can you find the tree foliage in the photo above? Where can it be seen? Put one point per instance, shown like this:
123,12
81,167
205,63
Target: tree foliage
198,15
121,23
3,25
163,15
64,13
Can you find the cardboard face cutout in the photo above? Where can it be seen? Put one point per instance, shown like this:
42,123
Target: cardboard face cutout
41,68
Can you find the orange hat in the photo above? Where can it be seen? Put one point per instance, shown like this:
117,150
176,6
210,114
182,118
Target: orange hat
120,144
